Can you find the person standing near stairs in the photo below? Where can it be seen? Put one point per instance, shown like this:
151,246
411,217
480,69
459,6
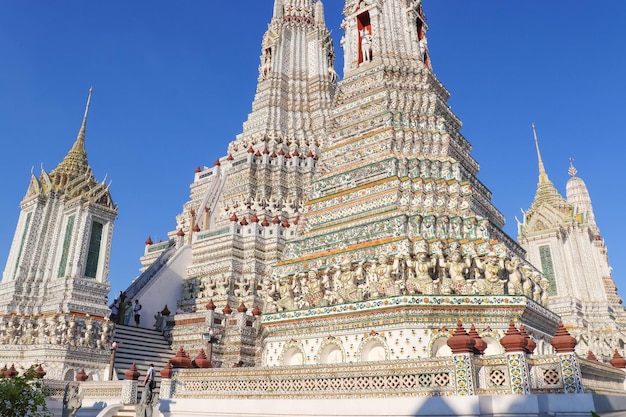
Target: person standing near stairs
145,405
149,382
137,311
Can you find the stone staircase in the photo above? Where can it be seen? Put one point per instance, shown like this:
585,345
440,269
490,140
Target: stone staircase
142,347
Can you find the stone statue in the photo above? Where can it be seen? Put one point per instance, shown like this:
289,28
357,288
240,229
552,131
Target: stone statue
43,336
423,43
545,287
419,279
208,288
3,330
469,231
516,280
528,284
28,332
482,231
491,282
538,292
315,289
72,400
457,268
105,335
332,74
266,63
222,285
384,283
345,281
70,332
267,292
13,331
285,292
242,286
366,45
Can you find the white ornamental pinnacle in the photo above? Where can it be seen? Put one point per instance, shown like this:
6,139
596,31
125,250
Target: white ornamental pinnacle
293,97
384,30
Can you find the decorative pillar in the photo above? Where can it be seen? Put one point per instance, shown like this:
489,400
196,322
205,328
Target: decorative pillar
166,389
564,345
129,388
514,344
529,344
618,361
210,320
462,346
479,344
181,360
256,312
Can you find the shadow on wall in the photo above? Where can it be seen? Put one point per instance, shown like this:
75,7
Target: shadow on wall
447,406
520,405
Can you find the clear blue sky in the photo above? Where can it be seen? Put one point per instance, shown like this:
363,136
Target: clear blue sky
174,81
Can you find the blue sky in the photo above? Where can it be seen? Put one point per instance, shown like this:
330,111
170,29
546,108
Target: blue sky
174,81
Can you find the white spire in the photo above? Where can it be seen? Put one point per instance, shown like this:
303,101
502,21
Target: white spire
578,195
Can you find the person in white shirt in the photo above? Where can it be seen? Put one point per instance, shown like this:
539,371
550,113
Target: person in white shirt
137,312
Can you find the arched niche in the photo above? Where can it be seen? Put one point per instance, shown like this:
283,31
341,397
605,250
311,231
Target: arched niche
331,352
70,375
440,348
293,356
374,349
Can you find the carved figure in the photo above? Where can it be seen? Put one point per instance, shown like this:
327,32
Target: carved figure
105,335
538,291
315,289
469,231
28,332
428,226
366,45
42,335
423,43
72,400
332,74
243,285
266,63
456,225
70,332
457,268
491,282
13,331
345,281
545,287
419,279
285,292
384,283
528,284
516,280
222,285
268,291
3,330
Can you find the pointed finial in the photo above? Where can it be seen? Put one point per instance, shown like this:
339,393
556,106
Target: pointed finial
572,171
80,140
543,177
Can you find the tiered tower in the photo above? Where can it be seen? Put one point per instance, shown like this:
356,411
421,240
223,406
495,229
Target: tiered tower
396,182
562,238
399,236
246,206
54,286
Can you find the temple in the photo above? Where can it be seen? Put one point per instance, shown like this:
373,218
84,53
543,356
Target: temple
55,284
562,238
342,247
